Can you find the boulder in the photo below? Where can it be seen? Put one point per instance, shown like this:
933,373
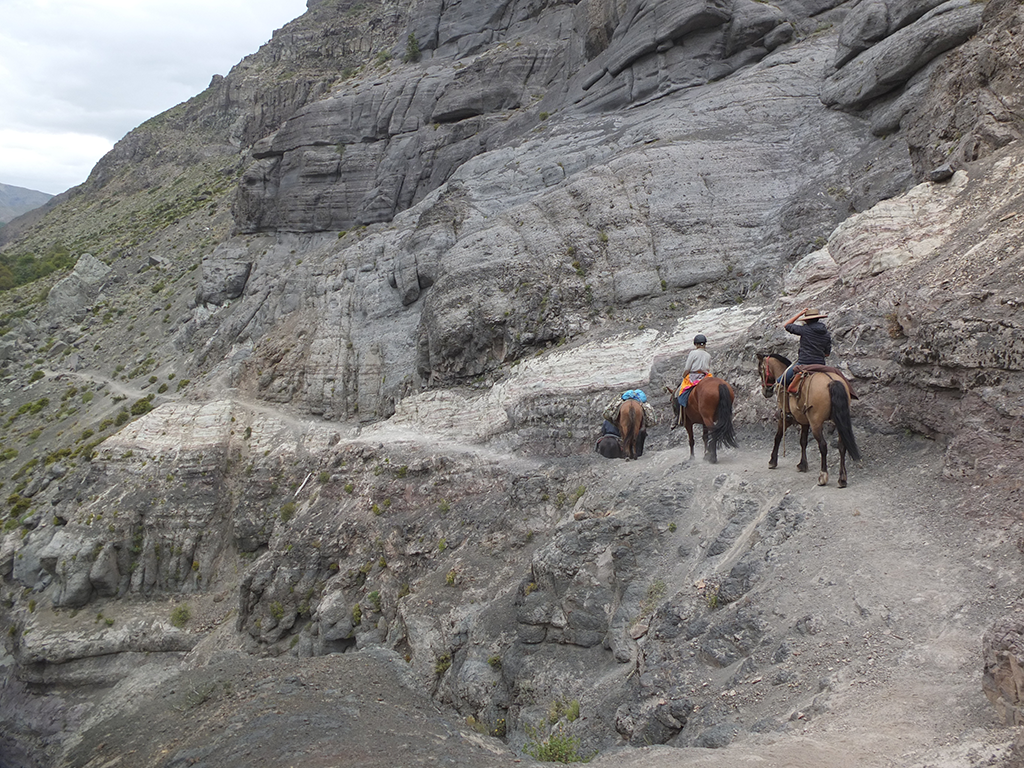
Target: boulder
69,298
751,23
224,274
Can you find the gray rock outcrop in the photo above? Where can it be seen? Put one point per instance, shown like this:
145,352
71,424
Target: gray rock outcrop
893,60
1003,681
363,429
974,107
71,297
224,275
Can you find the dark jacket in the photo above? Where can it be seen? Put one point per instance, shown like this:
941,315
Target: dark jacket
815,342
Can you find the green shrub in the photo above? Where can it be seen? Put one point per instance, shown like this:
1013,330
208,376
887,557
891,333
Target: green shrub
180,615
443,664
558,747
19,269
141,406
287,511
19,504
412,49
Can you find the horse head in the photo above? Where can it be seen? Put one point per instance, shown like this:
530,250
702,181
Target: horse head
770,367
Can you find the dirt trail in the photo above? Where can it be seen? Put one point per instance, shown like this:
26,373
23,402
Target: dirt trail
893,578
895,584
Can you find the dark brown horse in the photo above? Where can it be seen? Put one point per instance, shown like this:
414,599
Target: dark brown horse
631,424
709,404
823,396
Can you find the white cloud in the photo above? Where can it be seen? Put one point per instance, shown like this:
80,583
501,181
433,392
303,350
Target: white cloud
45,160
77,75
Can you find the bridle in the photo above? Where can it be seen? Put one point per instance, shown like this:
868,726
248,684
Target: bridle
768,380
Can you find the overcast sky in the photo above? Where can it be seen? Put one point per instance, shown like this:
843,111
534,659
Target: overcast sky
77,75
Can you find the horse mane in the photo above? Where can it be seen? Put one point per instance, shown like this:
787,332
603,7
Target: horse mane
781,358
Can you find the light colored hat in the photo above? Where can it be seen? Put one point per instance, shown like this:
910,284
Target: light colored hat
813,314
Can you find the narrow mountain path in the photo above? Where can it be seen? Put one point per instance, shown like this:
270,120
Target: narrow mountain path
894,584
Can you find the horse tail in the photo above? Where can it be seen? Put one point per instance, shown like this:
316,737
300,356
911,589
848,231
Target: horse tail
840,402
723,431
631,423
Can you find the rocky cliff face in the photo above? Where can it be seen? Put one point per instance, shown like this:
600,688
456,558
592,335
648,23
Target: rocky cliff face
328,381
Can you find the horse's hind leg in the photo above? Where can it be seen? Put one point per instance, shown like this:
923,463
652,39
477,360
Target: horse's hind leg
773,462
819,435
804,429
710,448
689,432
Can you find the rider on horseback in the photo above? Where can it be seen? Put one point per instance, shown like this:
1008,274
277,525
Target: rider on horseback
815,340
698,365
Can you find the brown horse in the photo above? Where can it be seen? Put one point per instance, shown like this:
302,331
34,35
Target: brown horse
631,424
709,404
823,396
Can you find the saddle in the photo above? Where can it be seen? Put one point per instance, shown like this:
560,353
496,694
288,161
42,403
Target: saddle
691,380
801,370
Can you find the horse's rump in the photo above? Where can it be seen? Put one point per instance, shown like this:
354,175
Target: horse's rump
631,424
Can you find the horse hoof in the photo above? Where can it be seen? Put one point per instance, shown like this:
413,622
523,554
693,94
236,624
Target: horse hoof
772,464
823,478
801,468
841,483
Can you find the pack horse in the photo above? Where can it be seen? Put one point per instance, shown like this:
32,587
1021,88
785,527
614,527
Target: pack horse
631,424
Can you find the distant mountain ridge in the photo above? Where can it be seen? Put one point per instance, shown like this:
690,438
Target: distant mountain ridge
15,201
